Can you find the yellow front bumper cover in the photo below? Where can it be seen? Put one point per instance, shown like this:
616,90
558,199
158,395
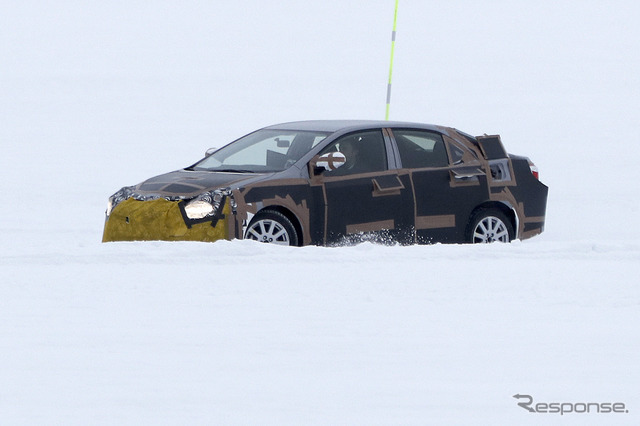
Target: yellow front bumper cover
160,219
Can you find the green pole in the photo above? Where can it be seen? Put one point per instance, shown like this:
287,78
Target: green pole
393,43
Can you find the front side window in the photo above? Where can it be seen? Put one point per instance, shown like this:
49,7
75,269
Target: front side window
420,148
266,150
365,152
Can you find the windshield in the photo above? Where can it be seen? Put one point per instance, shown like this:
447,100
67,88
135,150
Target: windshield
262,151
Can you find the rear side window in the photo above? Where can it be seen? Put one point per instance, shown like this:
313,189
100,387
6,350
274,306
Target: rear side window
420,148
456,153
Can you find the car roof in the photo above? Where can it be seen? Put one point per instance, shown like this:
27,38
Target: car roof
347,125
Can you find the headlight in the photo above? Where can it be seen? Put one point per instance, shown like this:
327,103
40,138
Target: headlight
208,205
198,209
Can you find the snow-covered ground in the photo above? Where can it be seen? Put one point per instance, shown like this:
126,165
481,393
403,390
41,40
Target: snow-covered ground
97,96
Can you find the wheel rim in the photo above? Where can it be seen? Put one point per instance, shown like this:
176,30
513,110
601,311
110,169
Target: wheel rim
268,231
489,230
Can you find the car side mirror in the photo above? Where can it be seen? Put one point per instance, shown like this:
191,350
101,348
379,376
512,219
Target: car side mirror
328,162
210,151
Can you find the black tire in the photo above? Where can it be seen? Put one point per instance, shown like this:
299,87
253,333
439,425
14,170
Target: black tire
270,226
488,225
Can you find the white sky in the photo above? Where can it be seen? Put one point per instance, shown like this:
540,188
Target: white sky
119,91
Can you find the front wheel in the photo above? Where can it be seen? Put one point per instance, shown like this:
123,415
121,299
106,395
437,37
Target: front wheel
272,227
488,226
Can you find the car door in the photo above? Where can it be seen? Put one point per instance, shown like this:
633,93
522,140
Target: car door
448,182
364,198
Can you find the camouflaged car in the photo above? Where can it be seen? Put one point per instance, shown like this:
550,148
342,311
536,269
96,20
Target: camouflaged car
334,182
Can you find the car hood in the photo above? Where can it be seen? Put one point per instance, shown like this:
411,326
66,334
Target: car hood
184,184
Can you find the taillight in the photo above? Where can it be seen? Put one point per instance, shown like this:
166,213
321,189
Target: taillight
534,169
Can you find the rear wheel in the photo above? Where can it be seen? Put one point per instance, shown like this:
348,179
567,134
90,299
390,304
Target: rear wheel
272,227
488,226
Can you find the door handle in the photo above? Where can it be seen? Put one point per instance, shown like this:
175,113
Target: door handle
388,187
465,173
